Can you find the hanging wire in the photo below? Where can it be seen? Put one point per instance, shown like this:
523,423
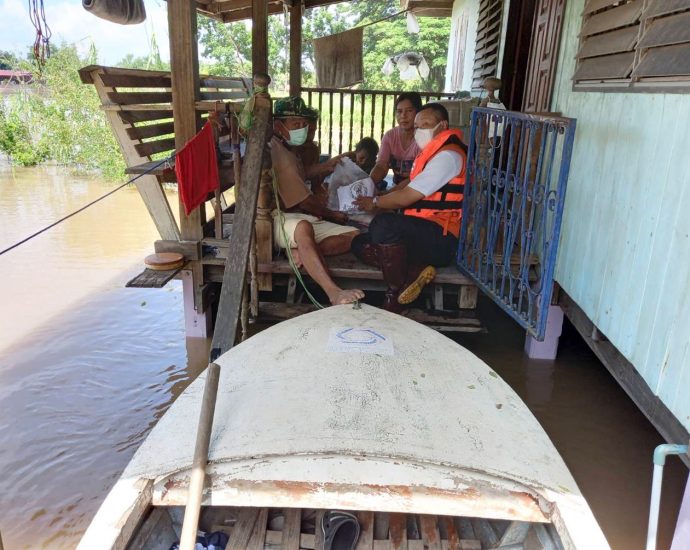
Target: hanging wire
41,48
165,161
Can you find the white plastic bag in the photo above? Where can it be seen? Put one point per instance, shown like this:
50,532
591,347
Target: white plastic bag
345,173
348,193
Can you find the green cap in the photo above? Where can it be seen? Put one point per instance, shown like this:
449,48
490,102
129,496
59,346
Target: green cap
293,106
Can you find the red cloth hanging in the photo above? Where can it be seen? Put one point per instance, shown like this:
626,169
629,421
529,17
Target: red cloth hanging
196,167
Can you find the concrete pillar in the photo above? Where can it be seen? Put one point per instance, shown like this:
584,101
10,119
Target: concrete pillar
548,348
681,538
196,324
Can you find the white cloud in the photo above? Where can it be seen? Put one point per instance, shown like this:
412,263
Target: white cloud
71,23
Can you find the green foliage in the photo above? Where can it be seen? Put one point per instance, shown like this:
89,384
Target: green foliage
7,60
151,62
58,118
226,48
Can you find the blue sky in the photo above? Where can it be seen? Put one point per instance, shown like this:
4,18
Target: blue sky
71,23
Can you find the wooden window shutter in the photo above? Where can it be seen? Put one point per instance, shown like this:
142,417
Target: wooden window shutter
488,41
607,40
665,43
634,45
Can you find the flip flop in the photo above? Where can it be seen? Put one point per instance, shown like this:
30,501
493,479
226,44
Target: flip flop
412,291
340,530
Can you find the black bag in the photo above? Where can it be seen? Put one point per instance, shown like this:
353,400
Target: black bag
124,12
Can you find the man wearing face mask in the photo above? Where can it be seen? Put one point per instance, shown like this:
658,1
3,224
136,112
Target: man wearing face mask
408,245
304,223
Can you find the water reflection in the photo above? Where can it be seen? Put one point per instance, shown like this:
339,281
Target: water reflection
87,367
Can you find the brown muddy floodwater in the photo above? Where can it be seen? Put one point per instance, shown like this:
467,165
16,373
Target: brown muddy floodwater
88,366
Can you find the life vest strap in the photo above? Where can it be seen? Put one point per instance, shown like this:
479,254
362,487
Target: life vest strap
436,205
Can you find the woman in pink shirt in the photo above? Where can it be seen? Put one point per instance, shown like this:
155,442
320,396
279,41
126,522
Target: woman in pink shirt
398,147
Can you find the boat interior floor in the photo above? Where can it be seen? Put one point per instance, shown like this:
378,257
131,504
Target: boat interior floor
300,529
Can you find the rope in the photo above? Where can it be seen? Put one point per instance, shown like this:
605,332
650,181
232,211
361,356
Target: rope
41,47
288,250
391,16
15,245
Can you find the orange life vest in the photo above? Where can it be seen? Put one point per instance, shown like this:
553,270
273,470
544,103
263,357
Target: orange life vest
443,207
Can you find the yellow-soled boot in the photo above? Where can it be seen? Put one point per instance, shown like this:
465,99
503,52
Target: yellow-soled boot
412,291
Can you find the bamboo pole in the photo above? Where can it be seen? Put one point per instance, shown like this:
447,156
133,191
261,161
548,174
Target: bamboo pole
203,438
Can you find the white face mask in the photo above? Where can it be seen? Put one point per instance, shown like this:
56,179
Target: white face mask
298,137
424,135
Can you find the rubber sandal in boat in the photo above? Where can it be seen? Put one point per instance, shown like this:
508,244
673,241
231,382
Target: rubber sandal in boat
340,530
412,291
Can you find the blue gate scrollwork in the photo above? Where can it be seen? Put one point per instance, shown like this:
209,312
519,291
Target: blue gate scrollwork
517,172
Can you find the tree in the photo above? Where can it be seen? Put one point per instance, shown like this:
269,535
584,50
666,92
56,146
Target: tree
7,60
151,62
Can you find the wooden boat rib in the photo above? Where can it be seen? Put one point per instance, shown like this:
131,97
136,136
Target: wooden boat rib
355,409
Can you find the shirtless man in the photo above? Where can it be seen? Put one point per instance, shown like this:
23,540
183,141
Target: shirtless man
304,223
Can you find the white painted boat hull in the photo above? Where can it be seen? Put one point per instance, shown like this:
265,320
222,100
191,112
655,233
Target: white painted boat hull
362,410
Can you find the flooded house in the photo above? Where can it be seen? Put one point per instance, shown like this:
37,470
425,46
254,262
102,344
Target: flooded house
595,97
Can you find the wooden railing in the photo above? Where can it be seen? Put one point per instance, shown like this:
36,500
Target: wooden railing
346,116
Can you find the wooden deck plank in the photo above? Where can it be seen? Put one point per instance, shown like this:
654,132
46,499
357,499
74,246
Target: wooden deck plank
380,527
514,534
150,278
258,537
366,531
397,524
484,532
451,532
292,529
274,311
242,531
430,534
318,531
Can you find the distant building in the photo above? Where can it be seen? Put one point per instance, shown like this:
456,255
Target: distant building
15,77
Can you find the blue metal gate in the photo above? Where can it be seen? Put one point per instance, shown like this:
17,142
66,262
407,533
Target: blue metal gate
517,171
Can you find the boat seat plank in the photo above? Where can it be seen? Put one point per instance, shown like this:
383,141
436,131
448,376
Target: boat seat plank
366,531
150,278
430,533
243,529
397,524
292,529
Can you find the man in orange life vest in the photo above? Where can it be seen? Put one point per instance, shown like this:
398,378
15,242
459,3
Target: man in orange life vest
408,245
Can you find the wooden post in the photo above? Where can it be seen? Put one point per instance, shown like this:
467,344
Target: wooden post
237,261
259,36
184,71
296,48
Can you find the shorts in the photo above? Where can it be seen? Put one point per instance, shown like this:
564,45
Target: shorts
322,228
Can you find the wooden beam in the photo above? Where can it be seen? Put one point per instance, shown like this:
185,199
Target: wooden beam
296,48
184,69
260,36
242,230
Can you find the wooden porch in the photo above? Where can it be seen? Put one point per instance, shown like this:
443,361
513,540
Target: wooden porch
140,108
